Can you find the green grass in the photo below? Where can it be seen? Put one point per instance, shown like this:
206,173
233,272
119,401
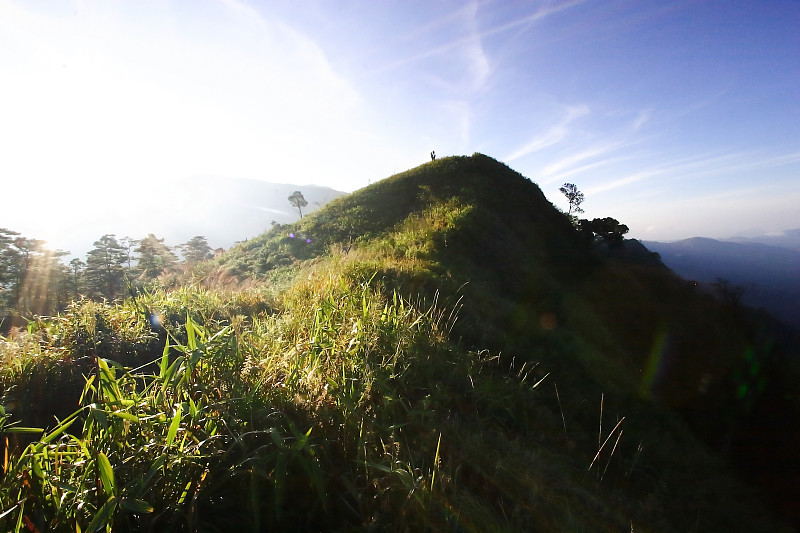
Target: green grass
445,354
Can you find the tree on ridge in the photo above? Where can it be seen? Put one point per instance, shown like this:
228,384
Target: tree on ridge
574,197
298,201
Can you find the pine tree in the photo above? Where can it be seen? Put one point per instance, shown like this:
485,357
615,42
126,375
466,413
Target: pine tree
155,257
105,271
196,250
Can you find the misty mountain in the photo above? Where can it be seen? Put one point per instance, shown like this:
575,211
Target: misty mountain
228,210
786,239
769,275
223,210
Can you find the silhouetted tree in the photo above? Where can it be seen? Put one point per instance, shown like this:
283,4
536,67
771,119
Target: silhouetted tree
574,197
196,250
729,293
297,200
607,230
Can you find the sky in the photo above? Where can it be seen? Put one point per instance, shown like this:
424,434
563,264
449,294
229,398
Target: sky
678,118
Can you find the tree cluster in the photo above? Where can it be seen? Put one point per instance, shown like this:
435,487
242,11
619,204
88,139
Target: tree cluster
606,230
31,276
35,281
602,230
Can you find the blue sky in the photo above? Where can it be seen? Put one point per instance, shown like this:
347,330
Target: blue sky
679,118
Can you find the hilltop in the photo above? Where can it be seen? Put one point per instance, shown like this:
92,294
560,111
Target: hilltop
532,290
439,351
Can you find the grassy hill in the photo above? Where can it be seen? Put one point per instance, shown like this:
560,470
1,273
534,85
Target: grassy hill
438,351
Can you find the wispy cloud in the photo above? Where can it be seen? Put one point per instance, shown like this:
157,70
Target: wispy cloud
552,136
448,47
641,119
474,53
571,164
702,166
685,167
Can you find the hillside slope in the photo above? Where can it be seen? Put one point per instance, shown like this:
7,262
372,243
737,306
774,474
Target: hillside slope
533,291
440,351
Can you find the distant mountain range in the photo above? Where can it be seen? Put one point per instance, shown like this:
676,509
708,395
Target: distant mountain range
766,267
786,239
223,210
229,210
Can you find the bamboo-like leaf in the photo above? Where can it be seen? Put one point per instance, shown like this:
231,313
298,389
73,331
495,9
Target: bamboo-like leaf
57,431
141,483
164,360
378,466
191,339
192,408
172,370
136,506
21,429
125,415
106,474
108,381
173,427
102,518
302,439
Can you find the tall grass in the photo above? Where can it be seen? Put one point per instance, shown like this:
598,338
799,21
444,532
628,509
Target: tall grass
351,388
342,403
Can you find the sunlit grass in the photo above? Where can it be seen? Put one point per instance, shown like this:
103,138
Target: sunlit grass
425,363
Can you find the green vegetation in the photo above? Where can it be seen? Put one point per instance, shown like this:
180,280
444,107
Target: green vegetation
35,282
442,350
